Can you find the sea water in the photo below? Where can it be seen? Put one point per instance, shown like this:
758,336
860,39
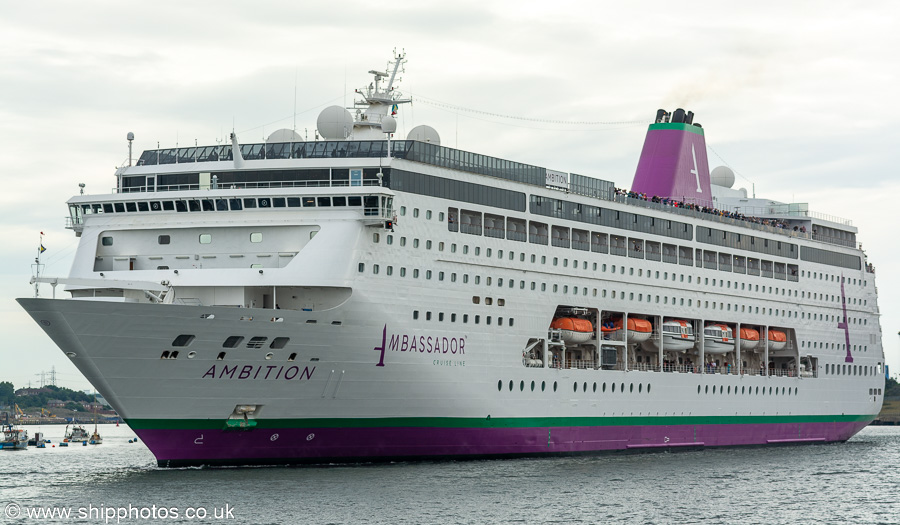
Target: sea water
856,482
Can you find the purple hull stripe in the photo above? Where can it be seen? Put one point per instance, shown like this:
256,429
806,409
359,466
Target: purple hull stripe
359,444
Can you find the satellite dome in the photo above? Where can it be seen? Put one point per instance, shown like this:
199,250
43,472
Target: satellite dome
388,124
722,176
335,123
424,133
284,135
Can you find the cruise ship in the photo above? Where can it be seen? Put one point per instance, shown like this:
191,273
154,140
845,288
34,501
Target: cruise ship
360,298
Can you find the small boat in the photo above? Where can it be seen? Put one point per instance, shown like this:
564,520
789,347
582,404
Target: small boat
13,438
749,339
777,340
95,437
639,330
37,440
718,339
573,330
678,336
77,435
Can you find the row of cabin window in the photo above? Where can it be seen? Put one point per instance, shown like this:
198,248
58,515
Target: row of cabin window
622,220
376,269
749,390
235,340
465,318
743,241
817,345
833,278
851,370
415,213
598,242
584,386
565,263
621,295
232,204
204,238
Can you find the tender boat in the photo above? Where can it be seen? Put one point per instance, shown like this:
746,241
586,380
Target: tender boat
678,336
718,339
573,330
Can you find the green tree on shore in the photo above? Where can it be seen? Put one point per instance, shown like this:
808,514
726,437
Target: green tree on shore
7,393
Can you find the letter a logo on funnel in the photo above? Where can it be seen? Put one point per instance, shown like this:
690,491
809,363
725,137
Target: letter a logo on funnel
382,347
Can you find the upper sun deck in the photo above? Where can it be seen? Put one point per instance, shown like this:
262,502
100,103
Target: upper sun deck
357,163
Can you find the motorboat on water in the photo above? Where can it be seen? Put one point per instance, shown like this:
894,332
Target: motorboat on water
77,435
13,438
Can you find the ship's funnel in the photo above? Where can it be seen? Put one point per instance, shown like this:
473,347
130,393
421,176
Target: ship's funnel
673,162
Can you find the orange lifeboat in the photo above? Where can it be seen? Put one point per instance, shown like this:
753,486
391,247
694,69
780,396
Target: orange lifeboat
573,330
777,340
749,339
639,330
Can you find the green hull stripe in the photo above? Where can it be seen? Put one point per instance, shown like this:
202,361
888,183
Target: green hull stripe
512,422
677,125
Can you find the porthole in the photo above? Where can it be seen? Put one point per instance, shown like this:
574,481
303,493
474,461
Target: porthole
584,387
603,388
613,388
707,389
499,385
640,388
554,386
543,385
532,386
521,386
595,386
631,388
622,387
510,385
698,389
575,386
648,388
729,389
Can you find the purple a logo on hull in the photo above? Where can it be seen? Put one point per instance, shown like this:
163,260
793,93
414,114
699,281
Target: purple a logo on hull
383,346
843,324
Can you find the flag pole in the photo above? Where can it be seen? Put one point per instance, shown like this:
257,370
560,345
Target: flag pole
37,267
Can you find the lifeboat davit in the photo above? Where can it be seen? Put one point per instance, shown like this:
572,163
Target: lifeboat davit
718,339
678,336
639,330
777,340
573,330
749,339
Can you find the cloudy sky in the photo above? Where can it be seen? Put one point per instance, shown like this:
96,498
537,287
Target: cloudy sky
798,97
